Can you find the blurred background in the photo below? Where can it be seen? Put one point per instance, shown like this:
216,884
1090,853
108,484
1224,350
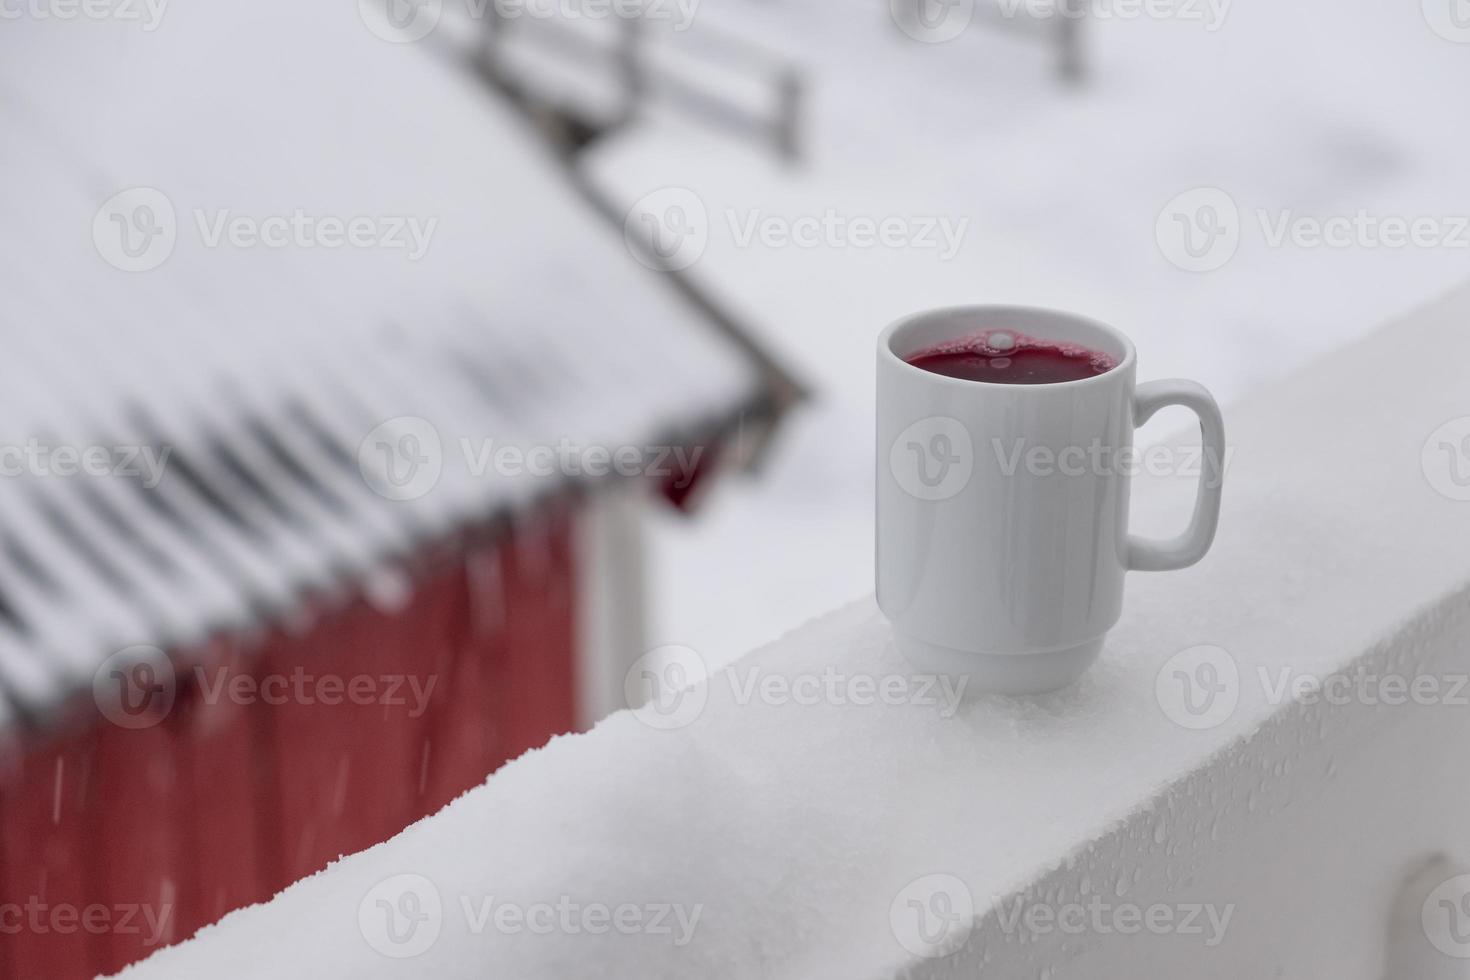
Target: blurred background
382,381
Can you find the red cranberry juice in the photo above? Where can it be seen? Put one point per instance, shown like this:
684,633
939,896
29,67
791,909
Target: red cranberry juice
1009,358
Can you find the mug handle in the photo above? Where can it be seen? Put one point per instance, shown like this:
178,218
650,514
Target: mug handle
1161,556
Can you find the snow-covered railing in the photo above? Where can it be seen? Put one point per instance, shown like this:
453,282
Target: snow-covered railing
1057,23
1269,748
606,74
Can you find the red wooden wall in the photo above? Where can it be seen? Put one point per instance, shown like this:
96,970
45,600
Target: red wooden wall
114,841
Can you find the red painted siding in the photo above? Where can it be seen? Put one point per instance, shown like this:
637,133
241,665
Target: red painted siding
228,798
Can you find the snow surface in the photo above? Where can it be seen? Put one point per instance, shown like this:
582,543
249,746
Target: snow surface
793,827
1321,106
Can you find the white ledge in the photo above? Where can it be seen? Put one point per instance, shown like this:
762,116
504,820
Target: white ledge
795,829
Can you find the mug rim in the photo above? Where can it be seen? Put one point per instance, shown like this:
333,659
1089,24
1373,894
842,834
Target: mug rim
885,341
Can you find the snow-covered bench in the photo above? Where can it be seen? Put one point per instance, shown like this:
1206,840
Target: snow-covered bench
1192,808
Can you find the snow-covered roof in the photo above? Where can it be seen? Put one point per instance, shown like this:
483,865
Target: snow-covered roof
265,373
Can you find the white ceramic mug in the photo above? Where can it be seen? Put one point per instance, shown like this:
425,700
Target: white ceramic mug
999,560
